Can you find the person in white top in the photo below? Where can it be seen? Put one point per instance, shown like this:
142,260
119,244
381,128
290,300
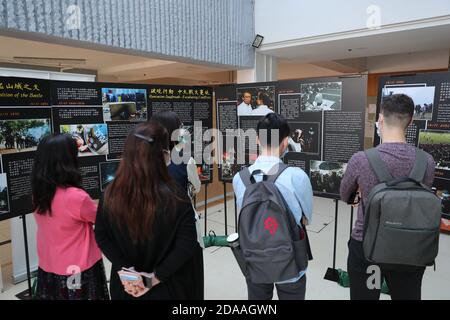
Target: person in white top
318,99
295,144
262,103
191,168
245,108
184,174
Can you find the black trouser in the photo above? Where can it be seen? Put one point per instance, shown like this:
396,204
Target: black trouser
287,291
404,282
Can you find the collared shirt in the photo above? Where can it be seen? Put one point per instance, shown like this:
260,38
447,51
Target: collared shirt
261,110
293,184
244,109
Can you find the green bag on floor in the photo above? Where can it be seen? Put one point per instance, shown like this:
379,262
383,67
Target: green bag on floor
212,240
344,281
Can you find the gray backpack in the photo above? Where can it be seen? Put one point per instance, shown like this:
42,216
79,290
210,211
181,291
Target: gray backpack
402,216
274,247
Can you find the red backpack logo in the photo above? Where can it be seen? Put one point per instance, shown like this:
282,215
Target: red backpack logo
271,224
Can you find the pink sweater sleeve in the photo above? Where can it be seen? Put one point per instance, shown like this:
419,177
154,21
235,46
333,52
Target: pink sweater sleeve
85,209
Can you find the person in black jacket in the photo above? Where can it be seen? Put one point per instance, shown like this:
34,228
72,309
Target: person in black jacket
144,223
185,175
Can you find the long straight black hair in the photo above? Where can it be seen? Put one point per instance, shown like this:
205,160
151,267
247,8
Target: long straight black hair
142,185
55,165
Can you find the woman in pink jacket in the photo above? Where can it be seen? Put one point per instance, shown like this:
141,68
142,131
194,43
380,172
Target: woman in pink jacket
70,262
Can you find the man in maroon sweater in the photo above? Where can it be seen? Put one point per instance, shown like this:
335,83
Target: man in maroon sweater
404,282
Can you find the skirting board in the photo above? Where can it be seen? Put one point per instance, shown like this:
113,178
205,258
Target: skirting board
210,200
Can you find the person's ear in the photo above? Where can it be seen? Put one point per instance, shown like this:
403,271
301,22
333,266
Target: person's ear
284,144
411,122
258,142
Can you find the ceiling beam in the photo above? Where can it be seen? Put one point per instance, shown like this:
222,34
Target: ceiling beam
356,65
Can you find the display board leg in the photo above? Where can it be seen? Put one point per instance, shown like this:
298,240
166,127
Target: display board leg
225,207
27,255
332,274
235,215
351,220
206,209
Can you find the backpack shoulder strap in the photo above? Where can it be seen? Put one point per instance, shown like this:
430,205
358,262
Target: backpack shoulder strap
245,177
276,171
420,166
378,166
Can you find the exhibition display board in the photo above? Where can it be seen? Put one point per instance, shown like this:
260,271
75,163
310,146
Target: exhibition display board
191,104
25,117
99,117
326,116
430,129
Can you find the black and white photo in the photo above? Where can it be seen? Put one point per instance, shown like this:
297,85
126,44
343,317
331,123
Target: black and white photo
305,137
321,96
326,176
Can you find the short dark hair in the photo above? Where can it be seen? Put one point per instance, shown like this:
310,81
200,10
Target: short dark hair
265,98
398,110
270,122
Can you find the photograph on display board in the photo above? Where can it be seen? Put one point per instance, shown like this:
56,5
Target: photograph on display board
421,94
255,101
4,202
91,139
108,172
229,165
326,176
436,143
204,172
22,135
321,96
305,137
124,104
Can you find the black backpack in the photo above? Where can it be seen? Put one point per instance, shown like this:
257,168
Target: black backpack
274,247
402,216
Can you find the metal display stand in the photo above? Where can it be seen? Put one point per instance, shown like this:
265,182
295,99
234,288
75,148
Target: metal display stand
235,215
332,274
206,209
225,207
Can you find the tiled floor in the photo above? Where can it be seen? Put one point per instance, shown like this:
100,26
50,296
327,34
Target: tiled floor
224,281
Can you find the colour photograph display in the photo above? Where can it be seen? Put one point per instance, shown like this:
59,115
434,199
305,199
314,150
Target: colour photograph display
436,143
422,95
124,104
4,202
22,135
91,139
255,101
108,172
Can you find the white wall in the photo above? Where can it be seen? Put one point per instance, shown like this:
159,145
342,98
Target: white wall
409,61
283,20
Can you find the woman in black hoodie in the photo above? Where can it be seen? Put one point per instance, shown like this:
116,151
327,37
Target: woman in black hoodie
145,223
